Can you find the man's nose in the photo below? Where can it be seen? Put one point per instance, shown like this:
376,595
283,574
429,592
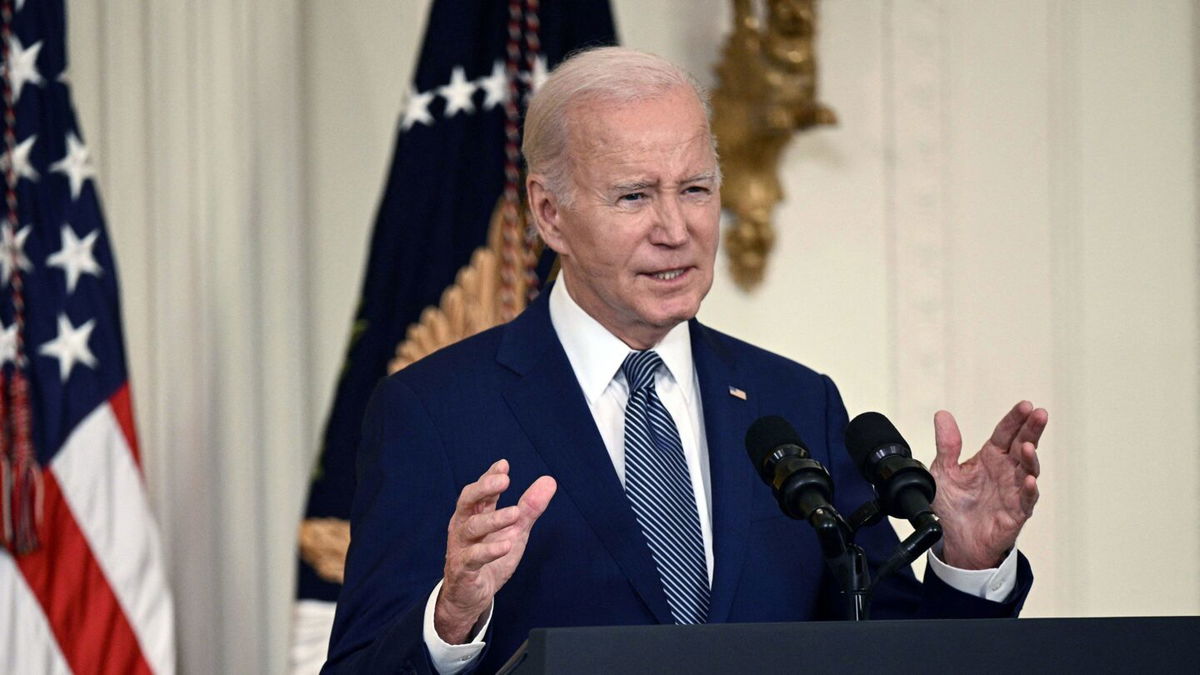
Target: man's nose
670,226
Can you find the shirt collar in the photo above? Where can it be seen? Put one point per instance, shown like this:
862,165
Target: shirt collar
596,355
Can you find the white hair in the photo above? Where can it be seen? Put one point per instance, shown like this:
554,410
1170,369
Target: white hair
616,75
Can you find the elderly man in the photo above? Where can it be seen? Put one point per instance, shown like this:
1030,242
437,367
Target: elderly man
618,420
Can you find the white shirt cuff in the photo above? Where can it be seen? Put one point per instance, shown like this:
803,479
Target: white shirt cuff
450,659
995,584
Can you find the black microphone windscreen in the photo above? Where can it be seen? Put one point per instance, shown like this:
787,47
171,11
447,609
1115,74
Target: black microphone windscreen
867,432
768,433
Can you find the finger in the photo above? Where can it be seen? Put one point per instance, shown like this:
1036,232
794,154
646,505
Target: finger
476,556
1007,428
1029,495
481,525
947,439
1029,459
483,493
1035,424
536,499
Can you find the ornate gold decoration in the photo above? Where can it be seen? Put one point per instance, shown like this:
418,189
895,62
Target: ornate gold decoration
476,301
767,89
473,303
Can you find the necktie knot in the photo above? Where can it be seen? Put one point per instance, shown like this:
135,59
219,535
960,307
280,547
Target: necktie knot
639,368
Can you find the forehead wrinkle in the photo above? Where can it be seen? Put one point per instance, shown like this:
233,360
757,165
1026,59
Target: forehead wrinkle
643,166
597,145
596,133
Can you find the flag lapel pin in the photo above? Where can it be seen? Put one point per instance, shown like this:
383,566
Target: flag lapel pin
737,393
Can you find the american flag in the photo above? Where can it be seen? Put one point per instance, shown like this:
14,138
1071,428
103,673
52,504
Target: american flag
82,584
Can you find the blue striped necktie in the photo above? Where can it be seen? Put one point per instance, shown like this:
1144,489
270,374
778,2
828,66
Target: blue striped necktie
660,491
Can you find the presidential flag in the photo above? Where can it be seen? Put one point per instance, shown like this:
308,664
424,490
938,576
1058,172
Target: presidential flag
455,175
82,587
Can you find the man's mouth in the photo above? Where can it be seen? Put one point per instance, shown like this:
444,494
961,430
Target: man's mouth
668,275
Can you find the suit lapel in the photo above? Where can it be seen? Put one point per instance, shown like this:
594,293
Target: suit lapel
551,409
726,418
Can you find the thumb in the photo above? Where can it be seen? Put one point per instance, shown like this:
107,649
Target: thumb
947,439
536,498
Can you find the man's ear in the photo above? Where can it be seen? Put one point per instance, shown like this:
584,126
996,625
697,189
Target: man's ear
547,216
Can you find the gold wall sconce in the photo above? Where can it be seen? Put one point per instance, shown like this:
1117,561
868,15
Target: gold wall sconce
766,91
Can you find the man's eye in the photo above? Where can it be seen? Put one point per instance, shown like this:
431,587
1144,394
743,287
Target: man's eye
696,190
632,197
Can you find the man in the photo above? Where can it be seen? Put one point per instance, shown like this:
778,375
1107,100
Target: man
618,420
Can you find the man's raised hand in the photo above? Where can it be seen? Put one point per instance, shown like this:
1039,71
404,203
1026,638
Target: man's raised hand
483,547
984,502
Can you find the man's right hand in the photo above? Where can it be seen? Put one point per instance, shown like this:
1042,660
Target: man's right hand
483,547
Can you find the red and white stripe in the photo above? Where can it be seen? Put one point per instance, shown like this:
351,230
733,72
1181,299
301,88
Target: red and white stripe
94,598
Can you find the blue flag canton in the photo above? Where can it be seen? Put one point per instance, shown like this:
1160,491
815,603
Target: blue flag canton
70,336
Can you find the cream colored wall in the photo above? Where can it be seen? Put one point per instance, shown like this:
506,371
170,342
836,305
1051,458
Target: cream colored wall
1008,209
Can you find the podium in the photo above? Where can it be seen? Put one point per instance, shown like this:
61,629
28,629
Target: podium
1002,646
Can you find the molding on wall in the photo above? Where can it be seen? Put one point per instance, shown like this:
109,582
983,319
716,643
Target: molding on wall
1066,238
1196,167
915,214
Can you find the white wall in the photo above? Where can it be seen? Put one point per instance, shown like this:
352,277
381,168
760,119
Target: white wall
1008,209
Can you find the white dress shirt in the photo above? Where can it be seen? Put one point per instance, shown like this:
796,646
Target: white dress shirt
596,356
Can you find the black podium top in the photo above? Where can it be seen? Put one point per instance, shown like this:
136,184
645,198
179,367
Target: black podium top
1003,646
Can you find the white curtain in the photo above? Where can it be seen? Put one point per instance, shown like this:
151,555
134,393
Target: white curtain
195,113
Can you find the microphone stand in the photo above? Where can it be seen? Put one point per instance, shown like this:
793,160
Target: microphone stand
927,531
846,560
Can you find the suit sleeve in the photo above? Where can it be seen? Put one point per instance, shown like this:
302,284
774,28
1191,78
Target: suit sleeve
403,501
899,596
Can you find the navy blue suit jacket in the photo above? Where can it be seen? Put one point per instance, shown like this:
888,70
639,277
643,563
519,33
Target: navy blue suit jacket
510,393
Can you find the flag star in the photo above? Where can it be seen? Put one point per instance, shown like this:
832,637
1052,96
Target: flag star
458,93
20,4
12,253
70,347
76,164
538,77
22,65
75,257
417,109
8,344
495,86
20,159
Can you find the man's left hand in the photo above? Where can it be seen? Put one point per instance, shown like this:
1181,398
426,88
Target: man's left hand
984,502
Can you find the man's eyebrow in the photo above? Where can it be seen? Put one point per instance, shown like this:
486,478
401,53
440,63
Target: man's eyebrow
637,185
633,186
701,177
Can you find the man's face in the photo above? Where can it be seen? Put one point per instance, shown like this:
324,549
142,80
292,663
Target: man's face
639,241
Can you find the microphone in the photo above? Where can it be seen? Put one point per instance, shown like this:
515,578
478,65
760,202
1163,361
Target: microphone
801,485
903,485
804,489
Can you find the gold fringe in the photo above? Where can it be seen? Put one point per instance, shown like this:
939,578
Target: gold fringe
323,545
470,305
